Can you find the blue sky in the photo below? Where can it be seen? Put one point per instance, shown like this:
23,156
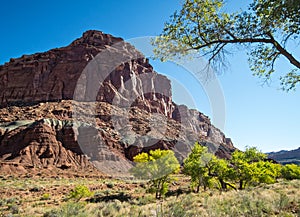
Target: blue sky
255,116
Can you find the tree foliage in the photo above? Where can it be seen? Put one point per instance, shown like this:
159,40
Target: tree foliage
223,171
247,168
196,166
290,171
267,172
264,30
157,166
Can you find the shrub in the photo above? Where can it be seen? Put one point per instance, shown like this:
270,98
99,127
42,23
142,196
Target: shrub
68,210
45,196
52,213
110,185
14,209
79,192
144,200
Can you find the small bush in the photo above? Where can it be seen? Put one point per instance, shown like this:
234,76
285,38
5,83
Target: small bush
80,192
52,213
11,200
68,210
110,185
45,196
14,209
145,199
283,202
35,189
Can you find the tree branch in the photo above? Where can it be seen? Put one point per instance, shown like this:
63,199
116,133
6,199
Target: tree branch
187,35
216,51
274,59
284,52
229,33
235,41
284,41
199,29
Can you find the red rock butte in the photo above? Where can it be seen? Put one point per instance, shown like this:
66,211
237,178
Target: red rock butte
38,94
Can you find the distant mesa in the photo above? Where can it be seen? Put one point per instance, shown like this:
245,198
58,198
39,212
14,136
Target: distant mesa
286,157
42,127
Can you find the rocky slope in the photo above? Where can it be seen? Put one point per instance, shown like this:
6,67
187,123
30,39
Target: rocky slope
286,157
95,103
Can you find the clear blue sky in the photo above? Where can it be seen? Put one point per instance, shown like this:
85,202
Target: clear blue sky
261,116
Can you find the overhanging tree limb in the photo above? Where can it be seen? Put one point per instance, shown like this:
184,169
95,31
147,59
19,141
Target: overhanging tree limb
204,26
234,41
284,52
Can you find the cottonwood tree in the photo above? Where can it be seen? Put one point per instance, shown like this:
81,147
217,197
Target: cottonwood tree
223,172
268,172
248,168
245,169
290,171
265,31
156,166
203,167
196,165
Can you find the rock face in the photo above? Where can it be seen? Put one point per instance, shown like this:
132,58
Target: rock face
200,124
39,145
53,75
95,103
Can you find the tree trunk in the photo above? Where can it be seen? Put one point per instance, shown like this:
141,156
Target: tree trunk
241,185
223,184
157,190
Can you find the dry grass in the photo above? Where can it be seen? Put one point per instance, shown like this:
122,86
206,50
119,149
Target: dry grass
46,197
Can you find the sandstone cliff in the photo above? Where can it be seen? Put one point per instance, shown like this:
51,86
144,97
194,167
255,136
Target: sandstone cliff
53,75
71,108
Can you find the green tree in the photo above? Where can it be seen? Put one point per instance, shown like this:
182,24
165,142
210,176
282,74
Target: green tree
157,166
196,165
245,171
264,30
268,172
222,170
290,171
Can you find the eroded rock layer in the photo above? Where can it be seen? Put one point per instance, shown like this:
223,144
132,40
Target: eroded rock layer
93,104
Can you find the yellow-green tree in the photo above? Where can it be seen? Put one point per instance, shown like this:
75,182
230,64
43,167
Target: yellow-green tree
196,166
221,169
156,166
290,171
245,171
268,172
